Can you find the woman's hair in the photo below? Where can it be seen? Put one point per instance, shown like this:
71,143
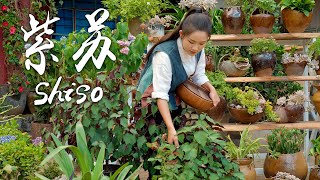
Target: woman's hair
196,19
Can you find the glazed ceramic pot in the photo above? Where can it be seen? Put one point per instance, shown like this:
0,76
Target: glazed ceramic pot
262,23
263,64
295,21
294,164
242,116
247,168
233,20
290,113
209,63
18,101
233,69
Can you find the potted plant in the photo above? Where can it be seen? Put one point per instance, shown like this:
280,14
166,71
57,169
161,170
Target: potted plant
135,12
156,25
234,65
263,56
16,87
262,19
296,14
243,154
233,17
314,53
290,109
294,63
284,153
315,151
209,51
248,105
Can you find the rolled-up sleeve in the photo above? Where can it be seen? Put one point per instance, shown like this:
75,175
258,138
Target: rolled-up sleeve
200,77
162,76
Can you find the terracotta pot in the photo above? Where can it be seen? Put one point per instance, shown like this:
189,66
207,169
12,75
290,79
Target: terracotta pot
294,164
233,69
316,159
318,70
295,21
262,23
247,168
36,129
294,69
30,102
209,63
233,20
290,113
242,116
263,64
217,113
316,98
194,95
314,173
134,26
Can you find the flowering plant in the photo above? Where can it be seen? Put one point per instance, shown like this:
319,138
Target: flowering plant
294,58
165,21
9,22
17,84
205,4
297,98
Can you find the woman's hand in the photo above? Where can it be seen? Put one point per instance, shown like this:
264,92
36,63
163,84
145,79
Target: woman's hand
215,97
173,138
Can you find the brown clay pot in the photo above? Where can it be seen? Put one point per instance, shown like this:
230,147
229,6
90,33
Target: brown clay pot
318,70
295,21
36,129
294,164
209,63
262,23
316,159
134,26
316,98
233,20
30,101
247,168
314,173
233,69
294,69
263,64
290,113
242,116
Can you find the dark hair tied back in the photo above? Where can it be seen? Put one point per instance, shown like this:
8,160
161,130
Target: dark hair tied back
196,19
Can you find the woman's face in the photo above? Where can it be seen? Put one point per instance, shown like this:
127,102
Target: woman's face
194,42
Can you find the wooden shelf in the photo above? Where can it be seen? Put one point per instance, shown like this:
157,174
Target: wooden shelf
244,39
272,78
270,125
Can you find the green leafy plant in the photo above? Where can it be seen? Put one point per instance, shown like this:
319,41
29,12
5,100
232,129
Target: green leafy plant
50,170
89,170
247,146
253,101
304,6
229,3
265,6
129,9
201,156
236,57
285,141
209,48
17,84
222,87
314,48
261,45
19,157
315,150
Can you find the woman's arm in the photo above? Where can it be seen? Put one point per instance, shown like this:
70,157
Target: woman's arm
163,107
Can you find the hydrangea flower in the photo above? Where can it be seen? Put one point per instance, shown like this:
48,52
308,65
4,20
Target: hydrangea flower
125,50
37,141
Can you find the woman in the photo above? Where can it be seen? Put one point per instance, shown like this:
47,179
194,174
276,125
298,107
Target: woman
175,58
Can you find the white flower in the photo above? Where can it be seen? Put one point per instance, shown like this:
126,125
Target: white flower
259,109
281,101
205,4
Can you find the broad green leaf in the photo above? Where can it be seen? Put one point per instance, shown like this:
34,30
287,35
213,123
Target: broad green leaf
141,141
115,174
191,154
129,138
98,169
124,172
82,146
79,79
201,137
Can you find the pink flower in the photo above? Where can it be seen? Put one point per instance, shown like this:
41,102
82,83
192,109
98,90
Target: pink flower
125,50
4,8
12,30
20,89
27,82
5,24
123,43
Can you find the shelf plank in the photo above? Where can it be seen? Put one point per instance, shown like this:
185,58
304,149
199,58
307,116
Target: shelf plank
282,36
272,78
270,125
